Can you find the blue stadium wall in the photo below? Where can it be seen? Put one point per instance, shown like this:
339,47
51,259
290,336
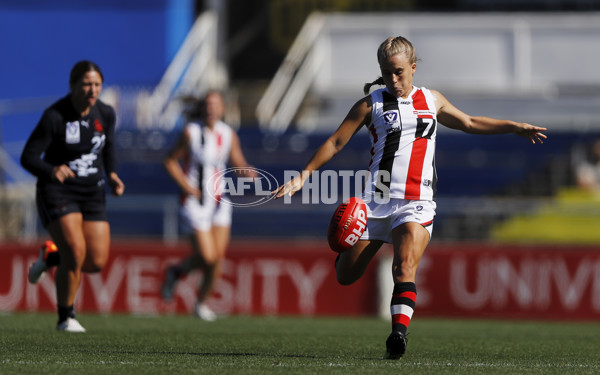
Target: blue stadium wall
133,42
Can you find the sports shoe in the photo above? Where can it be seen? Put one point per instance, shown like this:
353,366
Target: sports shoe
169,284
205,313
37,269
396,345
70,325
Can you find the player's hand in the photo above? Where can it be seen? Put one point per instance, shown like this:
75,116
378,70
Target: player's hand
192,191
116,185
62,172
291,187
533,133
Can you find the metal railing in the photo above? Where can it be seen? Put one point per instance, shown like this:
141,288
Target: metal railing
195,69
513,57
278,106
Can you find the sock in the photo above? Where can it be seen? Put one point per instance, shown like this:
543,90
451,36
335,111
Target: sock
178,271
52,259
65,312
402,306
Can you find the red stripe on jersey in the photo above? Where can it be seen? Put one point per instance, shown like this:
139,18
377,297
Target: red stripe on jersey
427,223
410,295
419,101
415,169
373,133
219,143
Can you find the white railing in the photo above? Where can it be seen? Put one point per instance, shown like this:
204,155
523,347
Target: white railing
277,107
195,69
495,56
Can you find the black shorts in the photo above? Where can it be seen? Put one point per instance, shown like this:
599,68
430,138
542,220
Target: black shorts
54,201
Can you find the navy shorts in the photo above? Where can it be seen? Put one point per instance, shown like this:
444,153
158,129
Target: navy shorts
54,201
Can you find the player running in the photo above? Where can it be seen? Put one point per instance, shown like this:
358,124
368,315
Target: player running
71,153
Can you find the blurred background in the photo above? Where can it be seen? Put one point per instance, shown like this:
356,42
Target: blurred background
290,71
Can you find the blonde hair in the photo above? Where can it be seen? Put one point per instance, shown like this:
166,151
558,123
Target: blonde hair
390,47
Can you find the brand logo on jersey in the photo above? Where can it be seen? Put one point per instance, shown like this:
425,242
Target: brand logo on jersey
405,102
72,133
391,118
424,113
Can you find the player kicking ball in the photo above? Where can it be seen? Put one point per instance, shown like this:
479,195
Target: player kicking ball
402,121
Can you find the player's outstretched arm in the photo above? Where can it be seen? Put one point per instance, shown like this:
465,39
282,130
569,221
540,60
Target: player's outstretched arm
454,118
359,114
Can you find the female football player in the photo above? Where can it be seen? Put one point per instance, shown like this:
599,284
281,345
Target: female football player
71,153
202,152
402,122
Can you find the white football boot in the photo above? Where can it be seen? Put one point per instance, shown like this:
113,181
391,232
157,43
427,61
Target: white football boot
205,313
70,325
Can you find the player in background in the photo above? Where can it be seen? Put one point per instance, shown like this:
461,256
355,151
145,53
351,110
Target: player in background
402,122
205,147
71,153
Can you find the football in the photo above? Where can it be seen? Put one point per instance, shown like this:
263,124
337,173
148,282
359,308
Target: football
347,224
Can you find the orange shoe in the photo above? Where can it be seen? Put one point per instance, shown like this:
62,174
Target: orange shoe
37,269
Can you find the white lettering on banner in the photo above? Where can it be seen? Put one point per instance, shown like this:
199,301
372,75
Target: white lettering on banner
138,284
245,286
105,293
307,284
270,270
235,289
573,290
458,285
529,283
237,293
11,299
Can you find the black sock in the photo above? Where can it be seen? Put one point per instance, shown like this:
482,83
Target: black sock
65,312
52,259
178,271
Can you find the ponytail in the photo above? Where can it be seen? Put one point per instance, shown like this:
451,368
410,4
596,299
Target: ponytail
367,86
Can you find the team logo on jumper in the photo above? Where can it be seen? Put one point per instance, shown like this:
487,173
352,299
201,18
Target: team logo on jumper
97,125
72,134
391,118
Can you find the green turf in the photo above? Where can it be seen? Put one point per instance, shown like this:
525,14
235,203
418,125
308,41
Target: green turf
121,344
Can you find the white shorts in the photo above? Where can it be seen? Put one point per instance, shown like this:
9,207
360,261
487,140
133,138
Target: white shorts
383,217
198,217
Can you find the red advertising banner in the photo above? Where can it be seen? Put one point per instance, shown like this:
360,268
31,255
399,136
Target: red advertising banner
506,281
298,278
258,278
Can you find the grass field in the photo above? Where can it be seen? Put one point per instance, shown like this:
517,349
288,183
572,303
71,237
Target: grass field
122,344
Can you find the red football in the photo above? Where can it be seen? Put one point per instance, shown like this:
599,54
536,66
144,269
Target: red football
347,224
